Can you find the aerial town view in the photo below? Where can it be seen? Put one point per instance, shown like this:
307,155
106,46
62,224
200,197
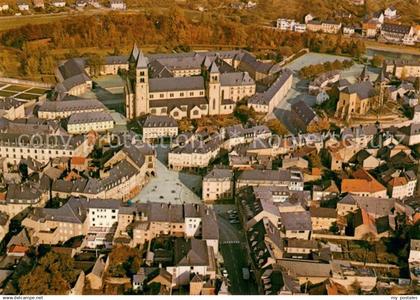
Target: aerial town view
209,147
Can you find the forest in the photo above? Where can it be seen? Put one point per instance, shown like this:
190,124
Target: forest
40,46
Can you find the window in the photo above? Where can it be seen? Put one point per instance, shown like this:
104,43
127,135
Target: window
142,73
176,114
162,95
171,95
181,94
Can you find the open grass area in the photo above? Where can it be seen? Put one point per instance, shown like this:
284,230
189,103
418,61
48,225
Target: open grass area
25,96
16,88
6,94
37,91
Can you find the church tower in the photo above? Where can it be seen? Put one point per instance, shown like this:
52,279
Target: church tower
141,85
213,90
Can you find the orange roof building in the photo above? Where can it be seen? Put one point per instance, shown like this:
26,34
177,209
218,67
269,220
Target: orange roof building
363,184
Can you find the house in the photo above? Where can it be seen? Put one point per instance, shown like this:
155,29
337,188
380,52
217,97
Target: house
314,25
191,256
265,243
370,28
355,99
390,13
403,68
414,259
38,3
402,186
348,30
218,184
22,5
289,178
295,162
395,32
296,225
325,192
285,24
321,82
96,276
52,110
265,102
117,4
346,275
306,271
197,152
85,122
304,115
322,218
299,27
12,109
59,3
156,127
331,26
4,7
19,244
254,209
363,184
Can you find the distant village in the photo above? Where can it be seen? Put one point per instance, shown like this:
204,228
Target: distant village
331,207
382,26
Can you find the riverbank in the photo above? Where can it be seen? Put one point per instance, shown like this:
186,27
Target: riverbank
373,48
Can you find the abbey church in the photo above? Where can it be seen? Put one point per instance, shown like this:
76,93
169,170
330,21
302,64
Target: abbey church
192,84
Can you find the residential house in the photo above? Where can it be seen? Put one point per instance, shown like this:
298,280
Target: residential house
296,225
306,271
22,5
117,4
156,127
292,179
59,3
390,13
396,33
323,218
402,186
304,115
85,122
314,25
12,109
363,184
325,192
217,184
370,28
96,276
331,27
51,110
414,259
191,256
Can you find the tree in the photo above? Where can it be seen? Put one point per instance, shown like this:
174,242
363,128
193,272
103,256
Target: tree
53,276
377,61
277,127
95,63
322,125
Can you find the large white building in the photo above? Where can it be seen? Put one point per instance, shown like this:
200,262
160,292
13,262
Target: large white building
155,127
89,121
218,184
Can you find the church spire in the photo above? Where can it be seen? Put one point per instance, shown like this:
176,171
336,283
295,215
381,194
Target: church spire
134,53
142,61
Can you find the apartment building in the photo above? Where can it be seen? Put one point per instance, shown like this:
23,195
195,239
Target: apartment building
289,178
196,153
217,184
266,101
156,127
51,110
15,147
12,109
85,122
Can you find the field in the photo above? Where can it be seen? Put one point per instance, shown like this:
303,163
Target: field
22,92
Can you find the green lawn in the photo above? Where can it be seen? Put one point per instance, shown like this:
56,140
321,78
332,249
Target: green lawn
25,96
16,88
6,94
37,91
